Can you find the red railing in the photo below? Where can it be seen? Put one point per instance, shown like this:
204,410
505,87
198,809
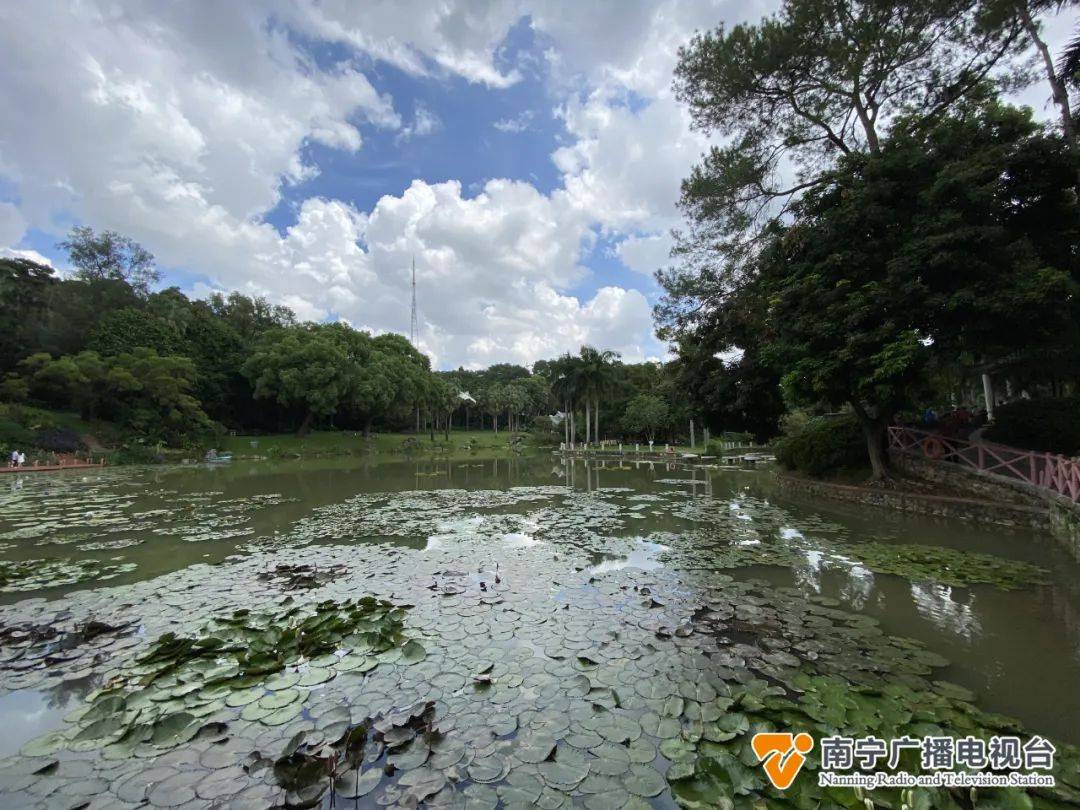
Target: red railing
1048,471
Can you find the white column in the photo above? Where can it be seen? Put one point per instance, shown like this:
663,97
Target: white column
988,395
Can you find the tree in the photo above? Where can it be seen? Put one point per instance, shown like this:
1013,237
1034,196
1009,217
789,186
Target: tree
250,317
515,399
152,395
817,82
1024,14
493,401
391,379
123,329
953,242
25,290
301,368
109,255
69,382
595,377
565,375
645,415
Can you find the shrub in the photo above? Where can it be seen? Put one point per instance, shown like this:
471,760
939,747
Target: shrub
59,440
1046,424
823,445
543,432
14,436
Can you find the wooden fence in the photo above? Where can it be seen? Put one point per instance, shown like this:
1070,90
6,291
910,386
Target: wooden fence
1047,471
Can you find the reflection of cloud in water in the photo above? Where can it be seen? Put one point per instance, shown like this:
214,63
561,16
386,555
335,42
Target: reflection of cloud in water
520,540
809,575
935,603
858,585
25,714
643,557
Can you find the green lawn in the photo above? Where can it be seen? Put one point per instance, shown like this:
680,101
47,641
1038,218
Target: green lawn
462,444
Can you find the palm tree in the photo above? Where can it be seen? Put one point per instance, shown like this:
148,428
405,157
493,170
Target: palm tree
566,387
597,379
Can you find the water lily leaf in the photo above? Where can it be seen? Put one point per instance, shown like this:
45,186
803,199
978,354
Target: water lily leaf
413,652
534,748
45,745
565,770
353,784
280,717
174,729
486,770
314,676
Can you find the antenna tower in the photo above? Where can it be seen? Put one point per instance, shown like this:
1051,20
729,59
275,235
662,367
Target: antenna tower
413,329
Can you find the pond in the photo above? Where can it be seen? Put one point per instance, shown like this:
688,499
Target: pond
502,633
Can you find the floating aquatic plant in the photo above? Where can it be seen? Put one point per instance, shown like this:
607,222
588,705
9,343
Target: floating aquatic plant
30,575
537,681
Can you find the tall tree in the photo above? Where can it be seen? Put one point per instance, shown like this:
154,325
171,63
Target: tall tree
933,246
109,255
645,415
596,379
793,94
25,291
301,368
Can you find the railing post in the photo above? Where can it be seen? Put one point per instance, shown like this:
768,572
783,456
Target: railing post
982,457
1031,458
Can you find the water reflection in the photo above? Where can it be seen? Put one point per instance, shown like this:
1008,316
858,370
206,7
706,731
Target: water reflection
27,713
936,604
992,636
643,557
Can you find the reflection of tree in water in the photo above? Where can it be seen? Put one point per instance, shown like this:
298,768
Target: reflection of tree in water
70,693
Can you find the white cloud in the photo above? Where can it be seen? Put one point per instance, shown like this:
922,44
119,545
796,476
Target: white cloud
518,123
182,130
645,254
424,122
418,35
32,255
12,224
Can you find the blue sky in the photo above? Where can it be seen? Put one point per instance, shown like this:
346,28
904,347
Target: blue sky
527,155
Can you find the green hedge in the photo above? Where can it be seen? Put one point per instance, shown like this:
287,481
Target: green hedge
1047,424
824,445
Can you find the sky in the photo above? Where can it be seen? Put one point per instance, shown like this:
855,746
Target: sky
526,155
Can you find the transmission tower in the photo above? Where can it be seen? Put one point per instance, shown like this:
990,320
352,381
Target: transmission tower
413,328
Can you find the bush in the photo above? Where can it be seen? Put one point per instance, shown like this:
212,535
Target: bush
14,436
59,440
824,445
1046,424
544,433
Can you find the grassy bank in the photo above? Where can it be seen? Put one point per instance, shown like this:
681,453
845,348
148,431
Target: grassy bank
329,443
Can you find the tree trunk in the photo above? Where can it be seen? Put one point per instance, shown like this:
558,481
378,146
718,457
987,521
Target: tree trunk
305,426
596,419
367,427
1057,87
449,423
588,422
874,431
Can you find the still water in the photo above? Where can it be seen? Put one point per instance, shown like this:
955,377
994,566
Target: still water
552,553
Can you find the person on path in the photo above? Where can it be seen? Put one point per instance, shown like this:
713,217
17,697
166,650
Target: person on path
22,459
14,462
